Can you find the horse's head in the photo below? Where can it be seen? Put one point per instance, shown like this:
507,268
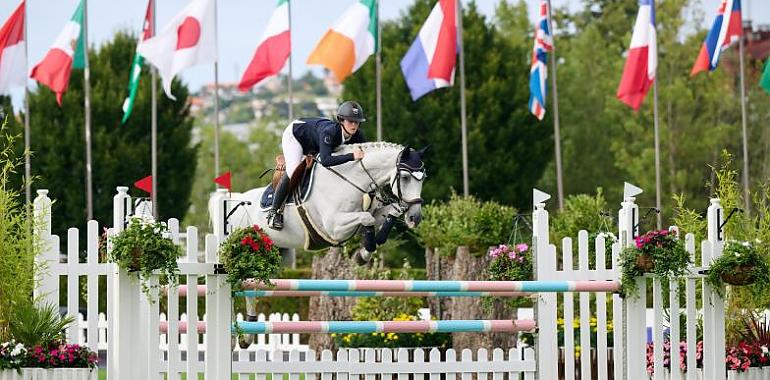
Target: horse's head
407,182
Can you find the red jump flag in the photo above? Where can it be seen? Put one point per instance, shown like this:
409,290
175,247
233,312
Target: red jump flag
225,181
144,184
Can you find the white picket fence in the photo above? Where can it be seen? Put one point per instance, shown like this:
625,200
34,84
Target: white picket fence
267,342
133,322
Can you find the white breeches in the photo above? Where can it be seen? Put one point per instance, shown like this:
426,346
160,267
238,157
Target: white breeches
292,149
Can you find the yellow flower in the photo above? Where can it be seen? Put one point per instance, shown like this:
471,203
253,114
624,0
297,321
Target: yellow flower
334,334
577,351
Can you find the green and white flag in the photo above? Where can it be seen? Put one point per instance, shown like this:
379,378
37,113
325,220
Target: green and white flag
764,82
136,65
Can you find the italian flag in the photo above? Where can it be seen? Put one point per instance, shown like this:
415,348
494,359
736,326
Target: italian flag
349,42
136,65
67,52
273,49
13,59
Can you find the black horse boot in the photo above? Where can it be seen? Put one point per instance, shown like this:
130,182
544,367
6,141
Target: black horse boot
275,215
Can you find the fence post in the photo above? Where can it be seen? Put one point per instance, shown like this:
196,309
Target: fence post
635,307
46,284
123,315
544,255
221,197
713,304
218,318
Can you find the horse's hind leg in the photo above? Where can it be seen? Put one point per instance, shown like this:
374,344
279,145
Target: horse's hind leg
251,316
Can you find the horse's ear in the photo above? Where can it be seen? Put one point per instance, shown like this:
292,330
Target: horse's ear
422,151
405,153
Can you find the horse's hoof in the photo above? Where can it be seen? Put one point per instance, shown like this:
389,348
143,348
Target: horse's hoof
362,256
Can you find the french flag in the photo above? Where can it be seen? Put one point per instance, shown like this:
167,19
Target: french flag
642,59
430,62
538,71
725,30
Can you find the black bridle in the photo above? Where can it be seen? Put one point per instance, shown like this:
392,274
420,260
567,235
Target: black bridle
382,193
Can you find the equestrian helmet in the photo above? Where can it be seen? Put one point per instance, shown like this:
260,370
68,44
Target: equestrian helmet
352,111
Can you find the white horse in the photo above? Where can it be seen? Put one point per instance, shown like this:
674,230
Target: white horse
389,177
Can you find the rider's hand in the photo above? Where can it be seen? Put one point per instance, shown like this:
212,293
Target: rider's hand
358,154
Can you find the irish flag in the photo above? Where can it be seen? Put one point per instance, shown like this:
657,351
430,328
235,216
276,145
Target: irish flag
349,42
273,49
67,52
13,59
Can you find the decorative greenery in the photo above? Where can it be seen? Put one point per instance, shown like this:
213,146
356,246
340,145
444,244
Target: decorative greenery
738,256
144,248
12,355
59,354
33,324
666,252
248,253
464,221
18,246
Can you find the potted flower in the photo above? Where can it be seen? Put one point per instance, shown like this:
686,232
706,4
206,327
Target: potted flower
144,248
38,349
509,263
658,252
740,264
249,254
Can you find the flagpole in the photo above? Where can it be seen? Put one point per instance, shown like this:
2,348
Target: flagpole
556,129
291,95
378,69
27,138
463,128
746,189
657,153
154,130
216,99
87,88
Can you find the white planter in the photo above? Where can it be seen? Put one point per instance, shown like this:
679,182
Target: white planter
51,374
751,374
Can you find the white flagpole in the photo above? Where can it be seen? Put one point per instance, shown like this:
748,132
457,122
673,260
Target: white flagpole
463,128
657,153
87,88
378,68
746,183
216,99
291,76
27,137
556,128
154,126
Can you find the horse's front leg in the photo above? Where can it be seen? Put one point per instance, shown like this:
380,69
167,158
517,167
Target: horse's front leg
345,223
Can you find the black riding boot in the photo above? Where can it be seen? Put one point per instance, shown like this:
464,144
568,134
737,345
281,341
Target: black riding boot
275,216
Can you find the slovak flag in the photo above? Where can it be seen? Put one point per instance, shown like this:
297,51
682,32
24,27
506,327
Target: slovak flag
725,30
642,59
539,72
430,62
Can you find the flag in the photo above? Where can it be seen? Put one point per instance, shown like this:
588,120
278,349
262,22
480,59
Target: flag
273,49
349,42
538,72
764,82
13,57
725,30
144,184
66,53
642,59
136,65
430,61
225,181
189,39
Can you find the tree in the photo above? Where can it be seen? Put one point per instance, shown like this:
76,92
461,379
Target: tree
507,148
120,153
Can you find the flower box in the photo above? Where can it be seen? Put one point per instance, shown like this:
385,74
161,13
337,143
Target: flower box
50,374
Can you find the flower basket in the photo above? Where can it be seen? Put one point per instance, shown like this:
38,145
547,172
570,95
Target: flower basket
645,263
50,374
249,254
742,275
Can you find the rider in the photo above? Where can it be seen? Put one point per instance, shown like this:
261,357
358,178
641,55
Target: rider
311,135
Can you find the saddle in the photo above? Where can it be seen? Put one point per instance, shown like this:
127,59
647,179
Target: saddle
300,182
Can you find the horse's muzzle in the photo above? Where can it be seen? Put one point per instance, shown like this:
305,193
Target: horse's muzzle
413,215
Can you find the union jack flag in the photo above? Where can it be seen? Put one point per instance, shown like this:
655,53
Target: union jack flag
538,72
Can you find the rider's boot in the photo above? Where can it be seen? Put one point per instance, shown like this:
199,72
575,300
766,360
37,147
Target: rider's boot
275,215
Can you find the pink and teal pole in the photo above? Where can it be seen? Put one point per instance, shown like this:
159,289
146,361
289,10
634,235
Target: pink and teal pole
436,286
368,327
201,289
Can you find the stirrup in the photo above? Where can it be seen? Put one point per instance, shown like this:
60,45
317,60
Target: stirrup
275,220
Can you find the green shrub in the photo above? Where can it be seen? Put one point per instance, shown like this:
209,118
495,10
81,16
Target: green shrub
34,325
465,221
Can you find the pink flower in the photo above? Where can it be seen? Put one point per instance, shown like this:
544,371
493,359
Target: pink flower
523,247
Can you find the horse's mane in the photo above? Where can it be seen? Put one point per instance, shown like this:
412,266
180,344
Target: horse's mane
378,145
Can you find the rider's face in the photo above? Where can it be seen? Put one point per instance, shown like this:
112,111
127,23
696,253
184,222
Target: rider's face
351,127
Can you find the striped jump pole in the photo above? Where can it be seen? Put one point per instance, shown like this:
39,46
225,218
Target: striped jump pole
201,289
436,286
368,327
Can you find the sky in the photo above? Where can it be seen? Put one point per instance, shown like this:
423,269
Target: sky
240,24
